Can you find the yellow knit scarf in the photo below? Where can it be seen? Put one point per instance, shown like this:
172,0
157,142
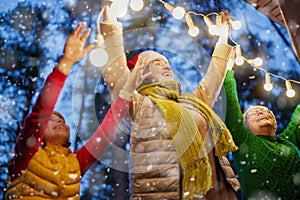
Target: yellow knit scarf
186,137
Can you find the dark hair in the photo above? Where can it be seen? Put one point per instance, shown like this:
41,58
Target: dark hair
62,117
67,144
59,115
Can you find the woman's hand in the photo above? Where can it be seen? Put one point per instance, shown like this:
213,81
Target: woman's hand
74,48
136,77
223,25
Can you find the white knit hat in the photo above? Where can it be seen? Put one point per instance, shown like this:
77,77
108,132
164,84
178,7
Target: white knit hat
152,55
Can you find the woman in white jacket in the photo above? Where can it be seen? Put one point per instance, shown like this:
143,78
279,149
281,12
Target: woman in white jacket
172,153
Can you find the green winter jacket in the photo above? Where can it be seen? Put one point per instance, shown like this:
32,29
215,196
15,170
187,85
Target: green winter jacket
268,166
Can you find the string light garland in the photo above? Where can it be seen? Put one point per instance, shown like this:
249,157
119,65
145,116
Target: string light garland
237,57
118,8
268,86
98,56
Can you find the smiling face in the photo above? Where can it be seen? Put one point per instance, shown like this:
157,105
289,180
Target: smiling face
57,131
160,71
261,121
158,65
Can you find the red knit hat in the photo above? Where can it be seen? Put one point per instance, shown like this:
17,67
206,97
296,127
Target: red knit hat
132,63
148,55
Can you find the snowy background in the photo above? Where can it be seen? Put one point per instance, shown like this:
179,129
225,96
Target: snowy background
32,36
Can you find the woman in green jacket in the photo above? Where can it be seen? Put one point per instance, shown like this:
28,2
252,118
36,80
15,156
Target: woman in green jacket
268,165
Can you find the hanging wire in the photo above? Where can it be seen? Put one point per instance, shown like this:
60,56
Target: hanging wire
209,22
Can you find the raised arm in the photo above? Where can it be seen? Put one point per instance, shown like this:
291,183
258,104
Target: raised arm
105,133
292,131
209,87
234,117
116,71
32,134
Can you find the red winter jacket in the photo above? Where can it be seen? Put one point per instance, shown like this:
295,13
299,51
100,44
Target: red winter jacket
31,136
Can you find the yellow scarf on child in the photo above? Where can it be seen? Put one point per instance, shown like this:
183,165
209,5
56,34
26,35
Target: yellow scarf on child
186,137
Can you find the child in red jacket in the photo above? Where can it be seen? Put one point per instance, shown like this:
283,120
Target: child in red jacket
43,167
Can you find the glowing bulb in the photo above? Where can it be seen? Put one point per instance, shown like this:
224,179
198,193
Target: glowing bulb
213,30
178,13
236,25
118,9
290,93
136,5
98,57
239,59
289,90
258,61
268,85
194,31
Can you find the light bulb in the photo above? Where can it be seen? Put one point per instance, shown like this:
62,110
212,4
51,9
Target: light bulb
239,59
118,9
258,61
136,5
236,25
289,90
178,13
290,93
268,85
98,57
193,31
213,30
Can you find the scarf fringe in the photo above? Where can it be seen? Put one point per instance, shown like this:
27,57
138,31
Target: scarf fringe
224,143
197,179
